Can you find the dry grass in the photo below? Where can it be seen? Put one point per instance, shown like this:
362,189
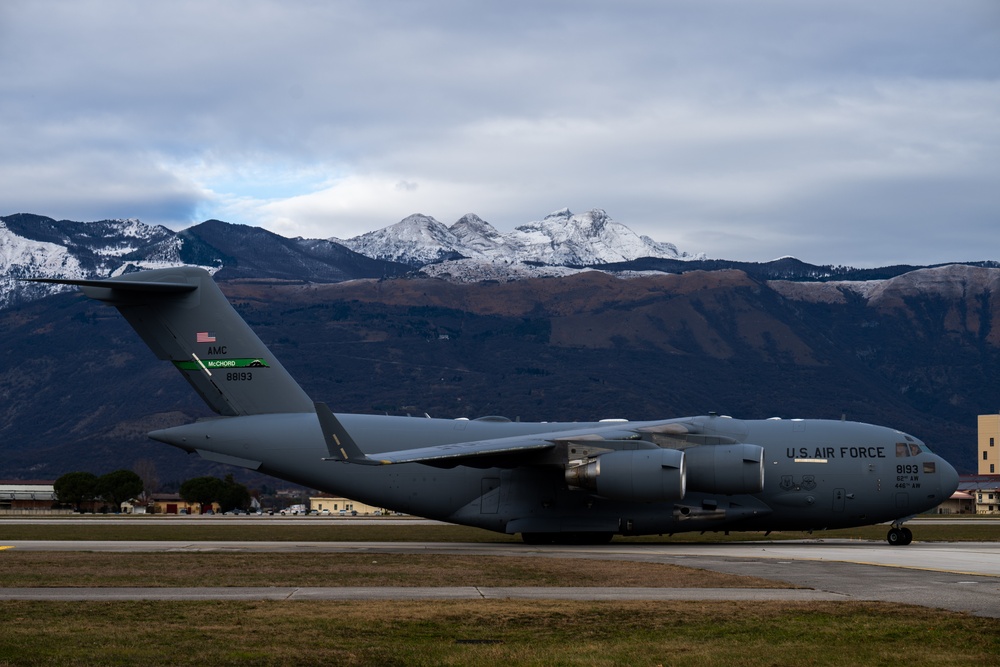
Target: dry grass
307,529
491,632
220,529
91,569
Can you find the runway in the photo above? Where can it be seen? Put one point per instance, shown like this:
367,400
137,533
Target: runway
956,576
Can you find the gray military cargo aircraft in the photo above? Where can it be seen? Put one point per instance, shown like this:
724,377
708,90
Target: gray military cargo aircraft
550,482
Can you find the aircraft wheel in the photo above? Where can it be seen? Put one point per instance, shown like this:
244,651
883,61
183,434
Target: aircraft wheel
899,537
537,538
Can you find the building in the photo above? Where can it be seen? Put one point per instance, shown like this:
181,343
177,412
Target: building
172,503
985,491
989,450
984,487
25,496
336,505
963,500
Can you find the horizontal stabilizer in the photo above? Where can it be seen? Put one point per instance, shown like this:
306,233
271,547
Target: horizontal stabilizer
123,285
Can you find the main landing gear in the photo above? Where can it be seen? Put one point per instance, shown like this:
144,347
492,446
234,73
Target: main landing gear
899,535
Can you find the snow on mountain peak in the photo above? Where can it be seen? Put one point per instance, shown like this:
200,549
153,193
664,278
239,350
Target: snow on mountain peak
477,235
34,246
416,239
584,239
561,238
561,213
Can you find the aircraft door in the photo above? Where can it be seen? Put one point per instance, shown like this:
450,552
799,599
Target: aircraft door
839,496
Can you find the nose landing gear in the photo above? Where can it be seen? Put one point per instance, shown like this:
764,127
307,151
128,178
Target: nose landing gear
899,536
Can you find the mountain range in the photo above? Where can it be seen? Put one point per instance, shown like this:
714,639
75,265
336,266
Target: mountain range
643,337
37,246
560,239
470,249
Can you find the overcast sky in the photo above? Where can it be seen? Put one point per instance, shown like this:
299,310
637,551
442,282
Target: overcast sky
844,132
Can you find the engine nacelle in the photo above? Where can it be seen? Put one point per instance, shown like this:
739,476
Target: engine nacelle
642,475
725,469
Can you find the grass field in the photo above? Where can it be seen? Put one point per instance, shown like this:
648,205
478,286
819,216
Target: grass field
92,569
491,632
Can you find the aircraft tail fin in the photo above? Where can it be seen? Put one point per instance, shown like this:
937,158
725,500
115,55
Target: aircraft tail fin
184,318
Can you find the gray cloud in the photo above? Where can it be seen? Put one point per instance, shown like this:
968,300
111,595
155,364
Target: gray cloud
848,132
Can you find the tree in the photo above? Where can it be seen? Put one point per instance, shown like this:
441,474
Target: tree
74,488
116,487
234,495
202,490
229,493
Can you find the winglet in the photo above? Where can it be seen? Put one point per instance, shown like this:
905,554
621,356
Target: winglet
338,441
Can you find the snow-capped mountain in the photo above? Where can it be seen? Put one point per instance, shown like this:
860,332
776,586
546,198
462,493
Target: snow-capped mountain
560,239
33,246
563,238
415,240
470,250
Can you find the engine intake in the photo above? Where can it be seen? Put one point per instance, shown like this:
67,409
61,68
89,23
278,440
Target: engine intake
643,475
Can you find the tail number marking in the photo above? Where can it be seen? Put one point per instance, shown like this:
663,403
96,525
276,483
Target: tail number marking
243,376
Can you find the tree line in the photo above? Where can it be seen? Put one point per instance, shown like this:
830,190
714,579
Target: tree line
115,488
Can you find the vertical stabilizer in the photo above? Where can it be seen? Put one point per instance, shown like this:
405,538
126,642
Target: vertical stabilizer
184,318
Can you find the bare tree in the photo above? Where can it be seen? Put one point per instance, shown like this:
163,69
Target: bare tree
146,470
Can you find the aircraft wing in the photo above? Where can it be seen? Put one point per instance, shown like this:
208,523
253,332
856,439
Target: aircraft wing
343,448
464,452
478,453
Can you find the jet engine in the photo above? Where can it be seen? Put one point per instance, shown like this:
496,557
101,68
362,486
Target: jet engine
643,475
725,469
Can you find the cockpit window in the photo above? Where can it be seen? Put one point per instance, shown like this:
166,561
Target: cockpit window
906,449
929,467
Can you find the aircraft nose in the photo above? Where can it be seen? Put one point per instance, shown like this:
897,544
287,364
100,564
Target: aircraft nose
948,478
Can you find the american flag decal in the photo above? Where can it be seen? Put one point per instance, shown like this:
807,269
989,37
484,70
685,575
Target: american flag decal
205,337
